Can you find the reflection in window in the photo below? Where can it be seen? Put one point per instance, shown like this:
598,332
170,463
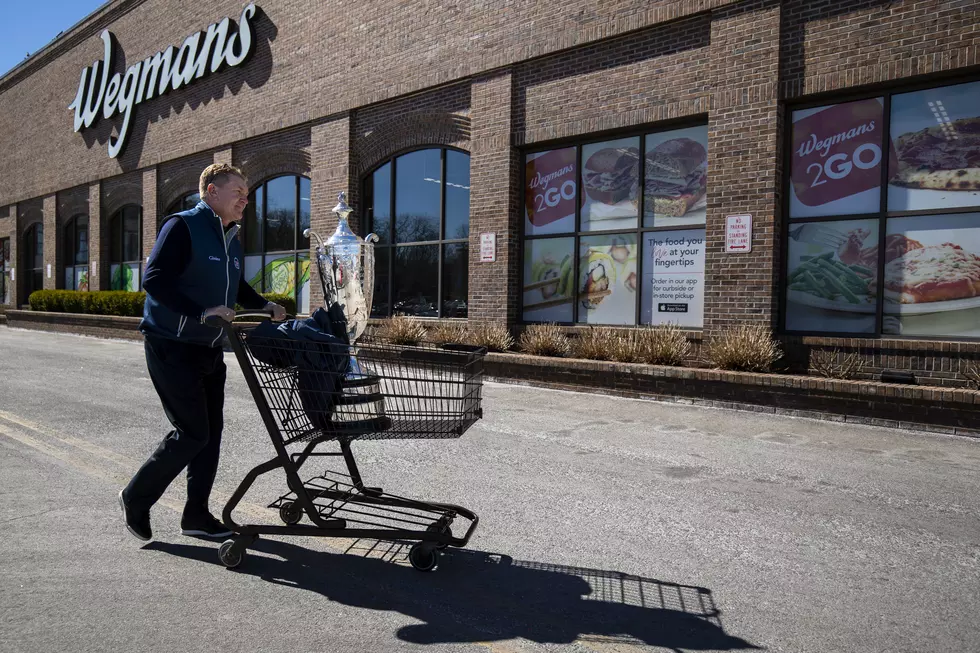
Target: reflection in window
422,258
277,255
75,250
125,265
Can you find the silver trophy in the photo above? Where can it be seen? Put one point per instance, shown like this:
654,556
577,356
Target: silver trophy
346,266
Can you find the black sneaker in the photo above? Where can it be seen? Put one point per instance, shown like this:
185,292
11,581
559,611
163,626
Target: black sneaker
206,526
138,525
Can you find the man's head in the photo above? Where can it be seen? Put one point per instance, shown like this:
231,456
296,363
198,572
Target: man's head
225,189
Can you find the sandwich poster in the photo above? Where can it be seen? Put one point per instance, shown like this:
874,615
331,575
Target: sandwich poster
607,279
549,279
836,159
673,278
832,270
936,136
932,276
610,185
550,180
675,184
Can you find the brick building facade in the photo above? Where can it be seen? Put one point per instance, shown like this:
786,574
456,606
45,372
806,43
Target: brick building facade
490,94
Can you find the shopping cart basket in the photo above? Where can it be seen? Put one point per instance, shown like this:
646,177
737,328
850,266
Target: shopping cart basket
424,391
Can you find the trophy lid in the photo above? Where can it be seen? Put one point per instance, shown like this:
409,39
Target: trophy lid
343,234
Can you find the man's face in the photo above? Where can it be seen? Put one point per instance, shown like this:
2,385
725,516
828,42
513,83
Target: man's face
229,199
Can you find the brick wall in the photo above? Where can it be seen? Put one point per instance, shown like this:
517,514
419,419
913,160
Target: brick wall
743,148
331,175
176,179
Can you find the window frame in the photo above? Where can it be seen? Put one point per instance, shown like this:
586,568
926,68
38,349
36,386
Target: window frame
71,228
885,91
178,205
297,235
579,142
367,188
119,215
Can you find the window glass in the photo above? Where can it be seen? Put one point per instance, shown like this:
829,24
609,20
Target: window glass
457,195
549,280
607,279
131,233
935,134
610,185
675,177
673,278
932,270
550,180
455,289
832,270
280,215
418,189
416,280
381,203
836,159
254,219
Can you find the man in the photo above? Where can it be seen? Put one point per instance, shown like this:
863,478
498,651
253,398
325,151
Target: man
193,273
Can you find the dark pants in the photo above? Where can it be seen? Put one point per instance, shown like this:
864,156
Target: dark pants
190,380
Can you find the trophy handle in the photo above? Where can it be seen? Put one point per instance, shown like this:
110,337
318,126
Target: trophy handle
367,275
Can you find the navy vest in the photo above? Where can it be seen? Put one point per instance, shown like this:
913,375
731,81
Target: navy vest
210,279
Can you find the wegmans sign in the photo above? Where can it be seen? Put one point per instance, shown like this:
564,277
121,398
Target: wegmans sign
201,54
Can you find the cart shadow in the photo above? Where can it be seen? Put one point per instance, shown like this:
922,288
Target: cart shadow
476,596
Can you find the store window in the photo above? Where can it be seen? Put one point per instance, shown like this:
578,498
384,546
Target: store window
75,250
277,255
884,215
418,204
125,247
185,203
615,237
5,265
33,259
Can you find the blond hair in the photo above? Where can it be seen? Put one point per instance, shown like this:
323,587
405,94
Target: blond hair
217,174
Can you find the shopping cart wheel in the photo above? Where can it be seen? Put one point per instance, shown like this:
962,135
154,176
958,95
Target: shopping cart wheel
231,553
423,557
440,528
290,513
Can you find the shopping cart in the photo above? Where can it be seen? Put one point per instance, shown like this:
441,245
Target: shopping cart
308,397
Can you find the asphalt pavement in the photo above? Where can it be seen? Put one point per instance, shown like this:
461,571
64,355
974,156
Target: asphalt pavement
606,524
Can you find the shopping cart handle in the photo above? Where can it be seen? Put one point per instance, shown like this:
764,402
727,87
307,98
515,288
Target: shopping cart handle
215,321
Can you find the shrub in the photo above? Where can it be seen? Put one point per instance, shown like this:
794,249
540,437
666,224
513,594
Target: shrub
744,348
972,374
286,301
401,330
106,302
492,335
833,366
544,340
447,332
665,344
624,346
596,343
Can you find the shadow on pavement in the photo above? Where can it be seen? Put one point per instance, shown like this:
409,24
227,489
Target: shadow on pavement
476,596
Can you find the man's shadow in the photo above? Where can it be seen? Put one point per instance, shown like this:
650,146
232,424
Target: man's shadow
476,596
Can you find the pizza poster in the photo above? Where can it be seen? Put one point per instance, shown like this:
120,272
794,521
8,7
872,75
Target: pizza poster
675,178
831,283
550,180
936,136
607,279
932,276
836,159
673,278
611,185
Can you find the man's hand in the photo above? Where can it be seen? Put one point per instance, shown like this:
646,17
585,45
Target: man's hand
223,312
278,312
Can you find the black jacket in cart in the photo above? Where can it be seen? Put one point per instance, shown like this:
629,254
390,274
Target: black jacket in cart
312,347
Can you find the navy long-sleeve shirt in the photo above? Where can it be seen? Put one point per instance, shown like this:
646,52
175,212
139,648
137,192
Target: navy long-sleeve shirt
169,259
